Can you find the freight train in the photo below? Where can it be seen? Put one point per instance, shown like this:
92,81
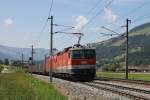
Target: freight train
76,63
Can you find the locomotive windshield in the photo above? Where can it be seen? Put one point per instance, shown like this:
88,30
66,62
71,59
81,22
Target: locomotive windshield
83,54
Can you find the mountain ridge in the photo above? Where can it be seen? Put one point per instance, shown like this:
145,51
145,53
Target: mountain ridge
14,53
113,50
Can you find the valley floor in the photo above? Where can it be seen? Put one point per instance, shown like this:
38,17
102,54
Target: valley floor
21,86
121,75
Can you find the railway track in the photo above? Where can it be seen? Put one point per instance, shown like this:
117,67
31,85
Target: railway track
132,93
127,81
125,91
124,87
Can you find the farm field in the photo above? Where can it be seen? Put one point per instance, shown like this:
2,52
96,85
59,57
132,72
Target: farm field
21,86
133,76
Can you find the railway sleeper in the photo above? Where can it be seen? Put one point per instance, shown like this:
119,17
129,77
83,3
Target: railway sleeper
125,88
129,95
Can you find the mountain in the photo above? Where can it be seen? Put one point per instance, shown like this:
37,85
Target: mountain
113,50
14,53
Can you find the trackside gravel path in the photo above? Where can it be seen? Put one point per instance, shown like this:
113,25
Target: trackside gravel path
78,91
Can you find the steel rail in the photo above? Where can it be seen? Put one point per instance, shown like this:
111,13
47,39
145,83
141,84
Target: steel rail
126,94
123,80
124,87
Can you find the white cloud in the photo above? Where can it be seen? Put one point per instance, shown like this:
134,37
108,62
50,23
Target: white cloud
8,22
80,22
109,15
72,17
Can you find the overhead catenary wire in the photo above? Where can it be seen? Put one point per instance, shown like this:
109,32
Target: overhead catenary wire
94,7
100,12
137,19
44,26
46,22
63,26
131,12
50,10
141,17
147,15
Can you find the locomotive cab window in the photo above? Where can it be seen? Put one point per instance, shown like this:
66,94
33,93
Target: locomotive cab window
76,54
89,53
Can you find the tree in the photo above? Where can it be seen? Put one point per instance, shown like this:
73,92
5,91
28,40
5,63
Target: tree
1,61
17,63
1,68
111,67
6,61
114,66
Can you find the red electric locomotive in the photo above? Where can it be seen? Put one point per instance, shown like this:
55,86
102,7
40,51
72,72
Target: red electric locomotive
77,63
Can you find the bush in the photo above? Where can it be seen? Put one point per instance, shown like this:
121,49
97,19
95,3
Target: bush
111,67
1,68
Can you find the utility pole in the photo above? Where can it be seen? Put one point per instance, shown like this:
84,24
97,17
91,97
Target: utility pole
51,48
32,52
127,43
22,60
45,61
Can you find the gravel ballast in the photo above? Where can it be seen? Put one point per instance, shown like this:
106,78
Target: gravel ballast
77,91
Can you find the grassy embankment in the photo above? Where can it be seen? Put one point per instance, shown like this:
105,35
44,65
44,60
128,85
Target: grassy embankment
21,86
133,76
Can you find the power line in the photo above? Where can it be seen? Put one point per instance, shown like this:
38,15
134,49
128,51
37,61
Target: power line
110,30
127,43
94,7
106,6
131,12
46,22
137,19
141,17
134,21
50,10
41,32
64,26
100,12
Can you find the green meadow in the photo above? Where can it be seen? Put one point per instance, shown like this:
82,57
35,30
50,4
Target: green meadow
22,86
133,76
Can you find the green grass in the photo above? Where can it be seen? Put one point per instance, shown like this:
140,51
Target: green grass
133,76
21,86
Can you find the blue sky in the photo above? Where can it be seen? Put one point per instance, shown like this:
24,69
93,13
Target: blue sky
21,21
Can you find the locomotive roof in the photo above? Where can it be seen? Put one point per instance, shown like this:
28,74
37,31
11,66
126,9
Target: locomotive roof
87,48
75,47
